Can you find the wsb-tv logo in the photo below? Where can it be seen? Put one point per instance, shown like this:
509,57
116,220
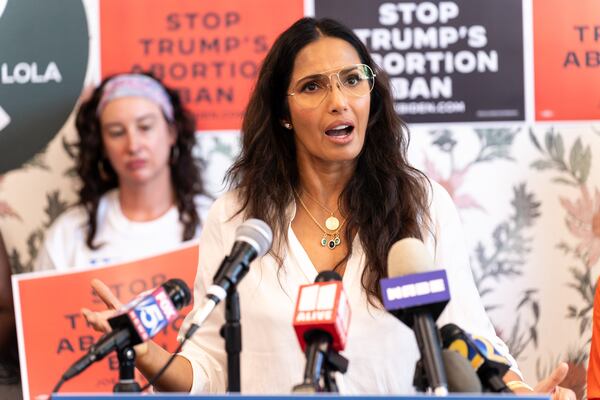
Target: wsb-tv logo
153,314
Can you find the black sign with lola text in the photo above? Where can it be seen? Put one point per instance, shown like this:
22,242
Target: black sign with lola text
448,61
42,70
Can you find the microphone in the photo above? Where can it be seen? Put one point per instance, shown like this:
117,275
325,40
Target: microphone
489,364
321,322
416,294
137,321
461,377
253,239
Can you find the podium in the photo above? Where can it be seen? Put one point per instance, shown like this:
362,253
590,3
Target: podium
181,396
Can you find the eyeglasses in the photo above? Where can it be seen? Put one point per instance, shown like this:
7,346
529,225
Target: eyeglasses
353,80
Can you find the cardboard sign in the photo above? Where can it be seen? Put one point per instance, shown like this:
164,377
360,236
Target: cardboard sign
566,60
209,51
448,61
53,334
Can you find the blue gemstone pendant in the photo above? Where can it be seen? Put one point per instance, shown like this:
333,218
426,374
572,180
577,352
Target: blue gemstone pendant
330,243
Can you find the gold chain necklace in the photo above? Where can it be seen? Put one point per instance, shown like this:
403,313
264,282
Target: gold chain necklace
331,240
332,223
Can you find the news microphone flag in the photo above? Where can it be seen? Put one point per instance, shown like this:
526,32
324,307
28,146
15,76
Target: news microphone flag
136,322
489,364
416,294
148,315
323,306
415,290
485,351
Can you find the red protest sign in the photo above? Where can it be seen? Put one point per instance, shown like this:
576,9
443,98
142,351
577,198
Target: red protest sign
53,334
209,51
567,60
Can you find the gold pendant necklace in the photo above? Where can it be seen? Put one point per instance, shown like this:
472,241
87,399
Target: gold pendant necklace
332,223
330,240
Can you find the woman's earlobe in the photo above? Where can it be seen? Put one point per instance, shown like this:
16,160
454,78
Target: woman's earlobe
173,133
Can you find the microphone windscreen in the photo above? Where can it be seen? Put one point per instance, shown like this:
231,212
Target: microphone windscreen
461,376
256,233
409,256
326,276
450,332
179,292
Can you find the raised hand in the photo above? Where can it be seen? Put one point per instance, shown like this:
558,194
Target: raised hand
551,383
99,319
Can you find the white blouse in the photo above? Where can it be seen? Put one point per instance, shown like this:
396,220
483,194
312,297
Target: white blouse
381,350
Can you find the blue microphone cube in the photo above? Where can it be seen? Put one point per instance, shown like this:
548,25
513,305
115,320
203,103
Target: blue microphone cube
415,290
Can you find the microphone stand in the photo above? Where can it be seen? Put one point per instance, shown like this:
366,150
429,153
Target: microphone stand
420,381
321,365
334,362
127,383
231,331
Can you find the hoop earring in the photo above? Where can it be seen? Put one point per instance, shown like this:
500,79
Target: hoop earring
174,155
102,170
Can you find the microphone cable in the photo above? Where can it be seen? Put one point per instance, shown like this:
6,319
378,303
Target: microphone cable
190,332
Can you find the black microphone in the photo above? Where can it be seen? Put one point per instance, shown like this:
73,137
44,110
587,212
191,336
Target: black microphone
461,377
489,364
253,239
416,294
136,322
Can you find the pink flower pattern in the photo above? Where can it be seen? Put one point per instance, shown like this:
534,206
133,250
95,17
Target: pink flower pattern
5,209
583,221
452,184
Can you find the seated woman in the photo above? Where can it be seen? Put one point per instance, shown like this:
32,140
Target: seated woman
323,163
141,189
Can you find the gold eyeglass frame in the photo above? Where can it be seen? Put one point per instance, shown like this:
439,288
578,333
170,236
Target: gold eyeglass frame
336,72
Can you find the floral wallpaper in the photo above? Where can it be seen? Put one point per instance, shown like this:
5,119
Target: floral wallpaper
569,168
528,197
531,210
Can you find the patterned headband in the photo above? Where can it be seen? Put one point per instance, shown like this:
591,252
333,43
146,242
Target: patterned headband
136,85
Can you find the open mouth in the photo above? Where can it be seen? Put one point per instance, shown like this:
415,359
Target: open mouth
341,130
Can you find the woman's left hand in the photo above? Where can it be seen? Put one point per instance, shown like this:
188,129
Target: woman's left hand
550,384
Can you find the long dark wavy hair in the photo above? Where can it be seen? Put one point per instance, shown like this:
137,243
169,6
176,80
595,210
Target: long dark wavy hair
385,200
98,177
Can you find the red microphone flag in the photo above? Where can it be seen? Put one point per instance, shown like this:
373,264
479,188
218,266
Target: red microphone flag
323,306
